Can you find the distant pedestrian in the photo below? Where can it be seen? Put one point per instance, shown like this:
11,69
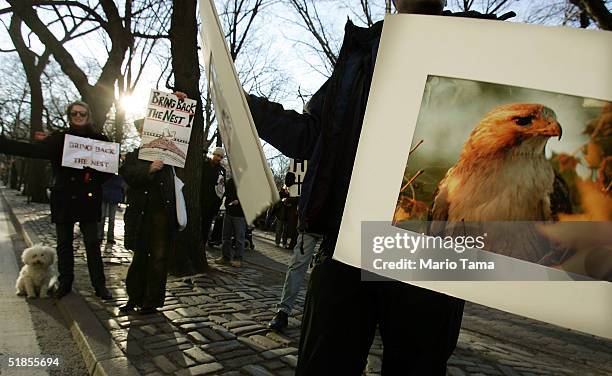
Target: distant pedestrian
112,196
233,224
279,215
213,187
287,217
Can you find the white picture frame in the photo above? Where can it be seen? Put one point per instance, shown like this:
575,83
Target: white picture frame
556,59
247,160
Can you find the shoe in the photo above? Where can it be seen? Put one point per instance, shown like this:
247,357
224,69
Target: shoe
147,311
62,291
127,307
222,261
236,263
279,322
103,293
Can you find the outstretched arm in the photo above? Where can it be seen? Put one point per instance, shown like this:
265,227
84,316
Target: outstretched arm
294,134
40,150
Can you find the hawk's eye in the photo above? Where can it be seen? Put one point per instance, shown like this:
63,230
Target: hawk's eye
523,120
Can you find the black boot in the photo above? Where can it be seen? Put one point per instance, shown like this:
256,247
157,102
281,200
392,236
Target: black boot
62,291
279,322
103,293
147,311
128,307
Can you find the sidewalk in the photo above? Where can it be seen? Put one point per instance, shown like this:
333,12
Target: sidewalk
216,323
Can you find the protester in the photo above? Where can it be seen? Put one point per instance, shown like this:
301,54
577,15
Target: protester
419,327
112,195
150,229
213,181
279,215
287,217
233,224
76,196
298,266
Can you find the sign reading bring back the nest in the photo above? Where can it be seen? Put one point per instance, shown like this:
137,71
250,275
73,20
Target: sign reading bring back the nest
167,128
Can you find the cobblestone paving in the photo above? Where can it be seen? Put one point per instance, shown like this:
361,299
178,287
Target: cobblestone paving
216,323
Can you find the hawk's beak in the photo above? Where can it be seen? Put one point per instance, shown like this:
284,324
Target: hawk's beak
550,129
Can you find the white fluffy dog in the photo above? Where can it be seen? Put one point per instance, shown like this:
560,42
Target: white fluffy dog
37,274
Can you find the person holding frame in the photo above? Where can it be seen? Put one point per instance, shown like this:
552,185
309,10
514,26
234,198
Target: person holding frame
419,327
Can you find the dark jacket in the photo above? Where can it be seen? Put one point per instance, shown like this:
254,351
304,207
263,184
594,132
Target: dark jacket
148,195
231,195
76,194
327,133
112,190
210,176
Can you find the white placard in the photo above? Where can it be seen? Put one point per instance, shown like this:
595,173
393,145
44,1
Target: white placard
81,152
167,128
249,166
299,168
414,47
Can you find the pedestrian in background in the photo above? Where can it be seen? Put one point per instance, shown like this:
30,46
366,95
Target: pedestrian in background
76,196
279,215
234,224
213,187
112,196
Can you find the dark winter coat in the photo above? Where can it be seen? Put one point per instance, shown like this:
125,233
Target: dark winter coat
210,176
230,196
147,195
76,194
327,133
112,190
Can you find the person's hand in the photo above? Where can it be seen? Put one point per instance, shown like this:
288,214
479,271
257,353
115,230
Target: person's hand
235,202
180,95
156,166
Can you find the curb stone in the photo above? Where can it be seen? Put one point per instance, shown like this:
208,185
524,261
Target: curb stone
101,355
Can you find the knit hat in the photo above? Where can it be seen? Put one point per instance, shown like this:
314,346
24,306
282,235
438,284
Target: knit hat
219,151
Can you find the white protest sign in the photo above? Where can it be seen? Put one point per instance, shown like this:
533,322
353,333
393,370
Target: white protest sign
167,128
81,152
298,167
247,159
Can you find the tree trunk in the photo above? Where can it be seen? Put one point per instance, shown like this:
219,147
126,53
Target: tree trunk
597,10
119,123
189,257
36,182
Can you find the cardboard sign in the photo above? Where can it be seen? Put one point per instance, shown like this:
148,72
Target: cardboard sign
298,167
249,166
450,71
80,152
167,129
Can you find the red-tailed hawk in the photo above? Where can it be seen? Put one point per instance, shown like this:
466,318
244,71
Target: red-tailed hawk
503,175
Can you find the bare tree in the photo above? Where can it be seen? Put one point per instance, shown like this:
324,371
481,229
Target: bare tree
34,66
324,45
189,257
100,95
596,10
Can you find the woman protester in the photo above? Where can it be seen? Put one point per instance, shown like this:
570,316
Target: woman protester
150,228
76,196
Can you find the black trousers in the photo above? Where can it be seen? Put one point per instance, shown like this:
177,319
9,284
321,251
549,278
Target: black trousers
419,327
65,253
208,215
147,274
